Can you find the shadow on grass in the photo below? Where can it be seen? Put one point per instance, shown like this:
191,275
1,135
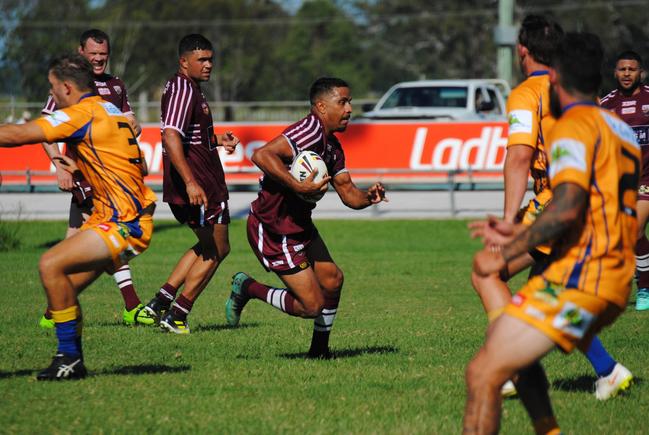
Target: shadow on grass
347,353
143,369
224,327
49,243
584,384
18,373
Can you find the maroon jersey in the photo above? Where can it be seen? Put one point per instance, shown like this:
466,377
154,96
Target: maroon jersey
185,109
634,110
108,87
277,207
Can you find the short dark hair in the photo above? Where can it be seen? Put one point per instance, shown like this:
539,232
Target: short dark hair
75,68
578,60
540,36
325,85
99,36
629,55
193,42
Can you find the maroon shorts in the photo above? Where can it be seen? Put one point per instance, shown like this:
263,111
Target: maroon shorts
196,216
282,254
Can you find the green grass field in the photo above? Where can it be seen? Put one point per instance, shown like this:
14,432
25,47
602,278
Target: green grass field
407,325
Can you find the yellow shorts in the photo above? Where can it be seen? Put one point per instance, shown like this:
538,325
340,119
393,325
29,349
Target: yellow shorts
527,215
568,317
124,240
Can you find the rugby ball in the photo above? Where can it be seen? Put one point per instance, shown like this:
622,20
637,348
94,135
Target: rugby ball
302,166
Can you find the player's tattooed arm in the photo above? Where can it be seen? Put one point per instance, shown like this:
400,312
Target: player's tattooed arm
565,212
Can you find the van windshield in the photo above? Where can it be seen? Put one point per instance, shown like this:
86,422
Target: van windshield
438,96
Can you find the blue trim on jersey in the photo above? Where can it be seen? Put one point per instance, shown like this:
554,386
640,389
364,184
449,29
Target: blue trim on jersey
573,281
89,94
78,135
603,198
539,73
578,103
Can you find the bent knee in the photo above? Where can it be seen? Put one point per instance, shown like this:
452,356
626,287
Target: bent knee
333,283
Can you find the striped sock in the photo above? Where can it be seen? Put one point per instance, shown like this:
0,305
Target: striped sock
125,283
167,293
69,324
323,324
642,261
181,307
279,298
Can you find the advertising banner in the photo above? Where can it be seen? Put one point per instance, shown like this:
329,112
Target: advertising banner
394,150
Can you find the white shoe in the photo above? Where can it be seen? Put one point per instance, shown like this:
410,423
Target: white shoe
508,389
609,386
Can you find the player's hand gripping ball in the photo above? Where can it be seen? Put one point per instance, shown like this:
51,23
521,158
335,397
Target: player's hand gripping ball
303,164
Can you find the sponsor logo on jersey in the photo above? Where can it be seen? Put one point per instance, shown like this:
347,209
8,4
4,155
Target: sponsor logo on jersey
98,84
567,154
520,121
205,107
118,89
111,109
534,312
518,300
645,108
620,128
573,320
57,118
627,110
628,103
104,227
303,265
103,91
299,247
277,263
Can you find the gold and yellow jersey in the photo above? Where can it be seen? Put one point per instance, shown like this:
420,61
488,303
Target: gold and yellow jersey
528,113
597,151
107,153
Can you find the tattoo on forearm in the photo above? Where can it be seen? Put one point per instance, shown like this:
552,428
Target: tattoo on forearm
564,212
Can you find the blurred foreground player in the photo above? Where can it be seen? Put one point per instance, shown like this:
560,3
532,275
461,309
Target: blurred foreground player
594,164
94,45
193,184
280,230
107,155
530,123
630,101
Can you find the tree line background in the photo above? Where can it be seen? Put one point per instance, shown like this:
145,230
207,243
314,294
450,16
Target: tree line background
268,50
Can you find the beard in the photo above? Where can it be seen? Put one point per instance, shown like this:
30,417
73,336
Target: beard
631,89
555,104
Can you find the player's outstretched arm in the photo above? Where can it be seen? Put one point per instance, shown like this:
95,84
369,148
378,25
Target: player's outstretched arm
271,160
15,135
355,198
517,168
63,177
173,144
564,214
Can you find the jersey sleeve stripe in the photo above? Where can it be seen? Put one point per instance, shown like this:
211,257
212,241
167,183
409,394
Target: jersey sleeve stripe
302,146
50,106
299,126
179,104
